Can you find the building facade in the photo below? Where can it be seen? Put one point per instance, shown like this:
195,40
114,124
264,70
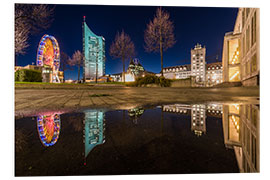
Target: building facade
213,73
46,72
241,133
198,63
199,71
241,55
94,55
177,72
134,70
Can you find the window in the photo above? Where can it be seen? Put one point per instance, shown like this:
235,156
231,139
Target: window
253,63
253,29
247,69
243,17
248,38
247,12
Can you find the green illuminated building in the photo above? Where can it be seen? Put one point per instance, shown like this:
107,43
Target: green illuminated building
94,55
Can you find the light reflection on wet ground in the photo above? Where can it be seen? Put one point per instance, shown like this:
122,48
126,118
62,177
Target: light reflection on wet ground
174,139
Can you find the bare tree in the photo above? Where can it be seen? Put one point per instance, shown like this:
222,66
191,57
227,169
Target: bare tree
122,48
65,63
30,19
77,60
159,36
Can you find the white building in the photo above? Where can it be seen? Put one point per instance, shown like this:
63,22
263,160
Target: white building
198,63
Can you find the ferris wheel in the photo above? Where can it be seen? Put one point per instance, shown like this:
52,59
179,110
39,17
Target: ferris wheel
48,127
48,54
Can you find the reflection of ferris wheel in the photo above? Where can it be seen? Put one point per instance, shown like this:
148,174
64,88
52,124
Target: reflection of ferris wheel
49,55
48,129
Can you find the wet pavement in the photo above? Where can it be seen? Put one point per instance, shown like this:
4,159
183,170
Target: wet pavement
166,139
33,101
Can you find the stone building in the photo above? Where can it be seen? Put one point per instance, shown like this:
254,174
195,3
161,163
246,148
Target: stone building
241,49
177,72
213,73
202,73
198,63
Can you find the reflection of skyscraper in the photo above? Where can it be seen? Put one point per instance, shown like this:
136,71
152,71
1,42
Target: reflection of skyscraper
94,127
48,128
241,132
198,119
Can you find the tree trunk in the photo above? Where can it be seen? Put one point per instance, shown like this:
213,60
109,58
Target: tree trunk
161,58
123,74
161,50
78,72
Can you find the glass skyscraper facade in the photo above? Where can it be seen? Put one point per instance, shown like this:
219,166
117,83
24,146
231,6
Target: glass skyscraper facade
94,54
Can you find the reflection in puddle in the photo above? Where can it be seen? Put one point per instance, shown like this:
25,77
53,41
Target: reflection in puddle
193,138
94,127
48,129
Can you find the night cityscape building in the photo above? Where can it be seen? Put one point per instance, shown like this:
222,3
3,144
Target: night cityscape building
202,74
241,49
241,133
94,55
134,70
45,70
198,114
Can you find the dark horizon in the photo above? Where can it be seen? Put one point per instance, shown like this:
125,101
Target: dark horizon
204,25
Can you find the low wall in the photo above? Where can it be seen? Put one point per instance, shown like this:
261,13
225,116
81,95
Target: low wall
181,83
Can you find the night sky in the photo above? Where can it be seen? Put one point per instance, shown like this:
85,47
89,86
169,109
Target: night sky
193,25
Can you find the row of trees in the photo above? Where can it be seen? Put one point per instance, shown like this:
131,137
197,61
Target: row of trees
158,36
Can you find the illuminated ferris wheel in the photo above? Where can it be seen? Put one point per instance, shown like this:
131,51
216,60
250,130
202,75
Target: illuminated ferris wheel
48,129
48,55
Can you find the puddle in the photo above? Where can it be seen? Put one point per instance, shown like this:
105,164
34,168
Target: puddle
167,139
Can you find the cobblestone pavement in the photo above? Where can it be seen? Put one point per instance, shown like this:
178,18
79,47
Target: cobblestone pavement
35,101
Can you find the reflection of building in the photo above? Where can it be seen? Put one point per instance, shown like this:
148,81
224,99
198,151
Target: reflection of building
94,127
198,117
204,74
135,113
48,128
198,113
241,55
177,108
94,54
240,128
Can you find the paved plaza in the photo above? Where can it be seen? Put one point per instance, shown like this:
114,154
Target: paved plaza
34,101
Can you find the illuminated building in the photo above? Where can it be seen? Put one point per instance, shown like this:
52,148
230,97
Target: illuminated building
241,133
46,72
94,127
213,73
202,74
48,57
241,55
177,72
198,63
177,108
48,127
135,113
134,70
94,55
198,117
